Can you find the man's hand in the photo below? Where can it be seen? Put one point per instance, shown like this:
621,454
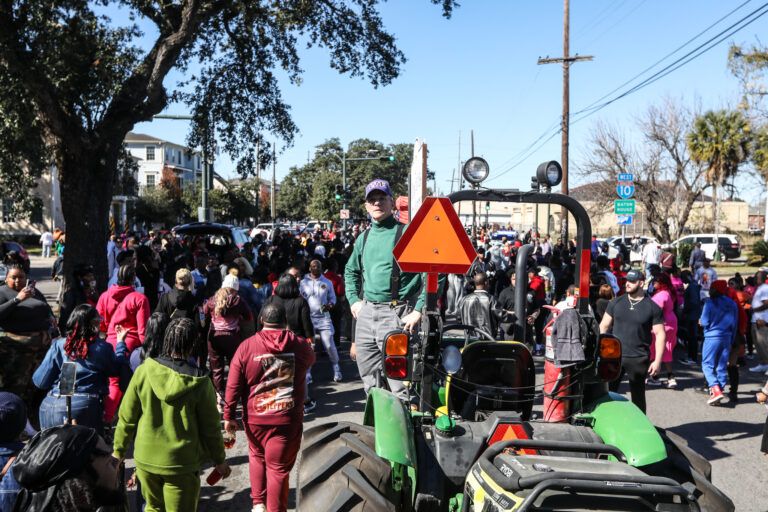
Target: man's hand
224,469
353,352
761,397
654,368
356,307
230,427
411,320
25,293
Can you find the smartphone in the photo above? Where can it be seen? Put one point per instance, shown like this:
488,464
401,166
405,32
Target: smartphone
67,381
214,477
31,284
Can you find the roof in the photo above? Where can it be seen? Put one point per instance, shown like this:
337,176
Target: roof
141,137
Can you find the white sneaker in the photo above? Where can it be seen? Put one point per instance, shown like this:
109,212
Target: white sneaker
259,508
336,373
671,383
759,368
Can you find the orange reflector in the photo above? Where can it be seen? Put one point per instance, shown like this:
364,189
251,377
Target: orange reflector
586,261
505,432
397,345
610,348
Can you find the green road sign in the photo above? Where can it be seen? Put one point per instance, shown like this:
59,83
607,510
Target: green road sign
624,207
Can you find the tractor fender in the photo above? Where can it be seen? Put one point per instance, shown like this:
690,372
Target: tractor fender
622,424
392,427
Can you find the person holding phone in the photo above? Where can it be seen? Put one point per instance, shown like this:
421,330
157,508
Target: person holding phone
95,362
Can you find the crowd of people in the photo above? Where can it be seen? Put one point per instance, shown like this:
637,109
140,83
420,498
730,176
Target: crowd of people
151,351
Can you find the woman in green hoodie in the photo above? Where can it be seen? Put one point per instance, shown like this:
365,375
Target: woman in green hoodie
169,411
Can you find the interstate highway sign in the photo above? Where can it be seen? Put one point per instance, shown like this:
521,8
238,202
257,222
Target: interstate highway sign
624,207
626,177
625,190
624,220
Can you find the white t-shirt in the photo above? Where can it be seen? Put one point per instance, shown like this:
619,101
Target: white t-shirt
47,238
761,294
651,254
705,277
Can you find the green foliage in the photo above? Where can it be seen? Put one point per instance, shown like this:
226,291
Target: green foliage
684,251
722,141
307,192
155,207
760,248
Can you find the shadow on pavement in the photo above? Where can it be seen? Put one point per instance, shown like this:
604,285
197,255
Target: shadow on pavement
705,445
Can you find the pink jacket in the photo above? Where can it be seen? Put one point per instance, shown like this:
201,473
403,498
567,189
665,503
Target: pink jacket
127,307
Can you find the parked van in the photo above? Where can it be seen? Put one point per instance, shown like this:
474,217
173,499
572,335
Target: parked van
730,247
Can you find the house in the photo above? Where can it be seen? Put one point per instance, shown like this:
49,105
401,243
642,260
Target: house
156,156
46,213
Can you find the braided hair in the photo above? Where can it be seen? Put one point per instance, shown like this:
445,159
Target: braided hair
180,337
80,331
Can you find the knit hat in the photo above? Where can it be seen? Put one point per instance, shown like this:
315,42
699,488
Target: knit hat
231,281
720,286
13,417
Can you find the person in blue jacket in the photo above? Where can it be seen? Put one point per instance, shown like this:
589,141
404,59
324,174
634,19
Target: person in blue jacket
13,418
720,321
96,361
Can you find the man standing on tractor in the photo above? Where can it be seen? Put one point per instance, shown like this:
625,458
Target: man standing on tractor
633,317
380,297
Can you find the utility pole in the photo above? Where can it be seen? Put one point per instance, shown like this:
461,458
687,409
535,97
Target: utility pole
461,176
258,176
474,204
272,197
566,60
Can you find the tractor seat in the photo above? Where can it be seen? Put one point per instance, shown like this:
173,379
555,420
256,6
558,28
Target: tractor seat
494,376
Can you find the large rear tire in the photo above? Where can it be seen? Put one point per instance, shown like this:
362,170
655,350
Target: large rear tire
339,470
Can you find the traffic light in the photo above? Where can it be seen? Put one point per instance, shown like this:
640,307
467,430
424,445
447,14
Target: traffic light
339,191
348,193
487,206
387,158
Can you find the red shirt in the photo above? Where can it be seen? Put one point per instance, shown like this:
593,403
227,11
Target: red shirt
338,283
539,286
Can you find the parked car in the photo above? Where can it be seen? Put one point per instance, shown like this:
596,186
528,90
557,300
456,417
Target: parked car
15,246
730,247
634,243
218,235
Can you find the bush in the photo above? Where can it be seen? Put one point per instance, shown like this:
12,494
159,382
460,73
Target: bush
760,248
755,260
684,254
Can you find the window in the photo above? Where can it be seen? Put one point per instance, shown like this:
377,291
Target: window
181,184
150,152
687,240
36,215
150,180
705,239
8,215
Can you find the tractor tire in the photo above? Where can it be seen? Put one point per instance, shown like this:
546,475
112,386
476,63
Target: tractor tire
339,470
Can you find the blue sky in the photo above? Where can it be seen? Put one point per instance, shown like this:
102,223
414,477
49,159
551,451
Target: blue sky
478,71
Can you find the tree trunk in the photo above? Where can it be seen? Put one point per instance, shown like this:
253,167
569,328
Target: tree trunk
87,175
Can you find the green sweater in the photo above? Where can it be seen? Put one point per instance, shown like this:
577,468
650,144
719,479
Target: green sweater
173,418
377,268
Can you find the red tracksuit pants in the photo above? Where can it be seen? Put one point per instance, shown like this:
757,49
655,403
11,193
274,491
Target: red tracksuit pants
272,451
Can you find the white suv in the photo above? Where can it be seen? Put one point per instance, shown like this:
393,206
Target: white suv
730,247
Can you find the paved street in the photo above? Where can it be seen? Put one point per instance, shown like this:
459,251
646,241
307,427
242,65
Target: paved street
728,436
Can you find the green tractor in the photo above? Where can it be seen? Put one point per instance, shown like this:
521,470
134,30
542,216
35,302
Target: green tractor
473,445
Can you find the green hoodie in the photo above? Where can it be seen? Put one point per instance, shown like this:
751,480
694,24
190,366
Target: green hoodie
173,418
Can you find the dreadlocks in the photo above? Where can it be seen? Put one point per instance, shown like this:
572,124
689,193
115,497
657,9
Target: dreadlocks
180,336
80,331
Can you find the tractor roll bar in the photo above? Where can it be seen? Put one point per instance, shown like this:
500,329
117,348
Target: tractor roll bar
583,225
521,305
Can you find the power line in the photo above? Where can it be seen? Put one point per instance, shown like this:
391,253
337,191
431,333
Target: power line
707,45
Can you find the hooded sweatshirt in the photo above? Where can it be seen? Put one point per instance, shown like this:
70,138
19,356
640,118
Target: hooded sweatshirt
179,304
132,313
268,374
229,319
719,318
108,302
170,410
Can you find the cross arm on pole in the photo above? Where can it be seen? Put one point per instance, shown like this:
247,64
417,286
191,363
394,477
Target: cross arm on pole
564,59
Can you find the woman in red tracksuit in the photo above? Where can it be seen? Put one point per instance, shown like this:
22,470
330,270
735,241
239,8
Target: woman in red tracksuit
268,375
122,305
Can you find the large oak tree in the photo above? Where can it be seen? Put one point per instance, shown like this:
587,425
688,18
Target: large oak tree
73,82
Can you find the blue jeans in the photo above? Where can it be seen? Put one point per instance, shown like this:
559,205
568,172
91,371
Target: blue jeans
714,359
87,409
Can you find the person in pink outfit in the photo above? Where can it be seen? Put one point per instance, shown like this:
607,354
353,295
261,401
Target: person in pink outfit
665,296
122,305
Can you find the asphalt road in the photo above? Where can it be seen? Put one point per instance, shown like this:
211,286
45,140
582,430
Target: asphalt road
728,436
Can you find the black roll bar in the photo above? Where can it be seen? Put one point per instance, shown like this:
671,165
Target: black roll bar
583,224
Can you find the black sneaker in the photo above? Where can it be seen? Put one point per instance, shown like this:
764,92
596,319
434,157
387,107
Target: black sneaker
309,405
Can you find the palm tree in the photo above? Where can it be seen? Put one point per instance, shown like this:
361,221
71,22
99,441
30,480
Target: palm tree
760,159
720,140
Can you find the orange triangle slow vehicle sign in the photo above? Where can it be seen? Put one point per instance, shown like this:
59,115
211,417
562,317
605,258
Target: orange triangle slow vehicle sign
435,241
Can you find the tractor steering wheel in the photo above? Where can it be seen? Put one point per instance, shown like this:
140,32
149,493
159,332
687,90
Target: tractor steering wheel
482,333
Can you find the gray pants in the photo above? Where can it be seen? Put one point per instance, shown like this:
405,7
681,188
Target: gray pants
374,321
760,339
454,293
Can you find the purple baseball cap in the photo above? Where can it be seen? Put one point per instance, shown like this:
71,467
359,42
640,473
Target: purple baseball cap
382,185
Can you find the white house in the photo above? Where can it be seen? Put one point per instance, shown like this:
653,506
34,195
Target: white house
154,154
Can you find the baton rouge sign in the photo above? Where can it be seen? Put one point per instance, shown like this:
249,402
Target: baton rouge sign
435,241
